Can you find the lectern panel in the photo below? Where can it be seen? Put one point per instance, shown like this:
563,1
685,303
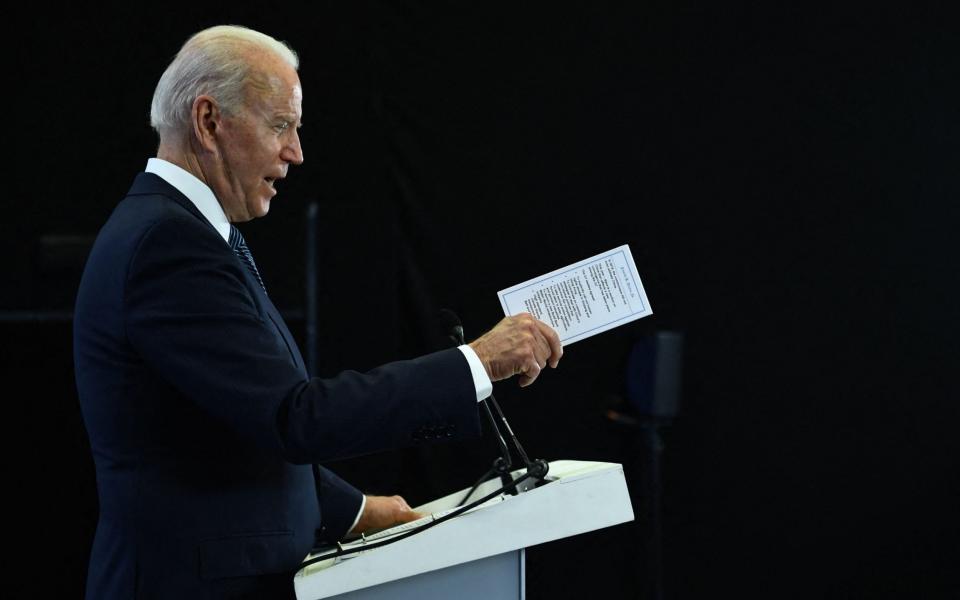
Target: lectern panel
577,497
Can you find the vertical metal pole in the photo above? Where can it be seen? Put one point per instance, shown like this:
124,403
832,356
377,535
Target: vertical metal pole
311,281
652,445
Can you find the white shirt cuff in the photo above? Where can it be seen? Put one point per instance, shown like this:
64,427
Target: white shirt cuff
481,381
363,505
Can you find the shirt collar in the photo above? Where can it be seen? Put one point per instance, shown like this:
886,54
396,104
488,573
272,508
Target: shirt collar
195,190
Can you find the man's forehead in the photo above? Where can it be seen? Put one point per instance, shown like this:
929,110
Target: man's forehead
281,95
272,79
288,102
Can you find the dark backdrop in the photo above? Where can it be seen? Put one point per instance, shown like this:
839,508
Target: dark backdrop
786,178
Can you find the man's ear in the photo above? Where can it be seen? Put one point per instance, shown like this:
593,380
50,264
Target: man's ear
207,122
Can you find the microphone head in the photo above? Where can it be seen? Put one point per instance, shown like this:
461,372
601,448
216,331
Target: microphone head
451,325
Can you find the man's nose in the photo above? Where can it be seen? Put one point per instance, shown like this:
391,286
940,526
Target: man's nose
292,152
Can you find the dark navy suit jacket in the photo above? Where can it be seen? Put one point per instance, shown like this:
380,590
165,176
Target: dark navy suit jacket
203,423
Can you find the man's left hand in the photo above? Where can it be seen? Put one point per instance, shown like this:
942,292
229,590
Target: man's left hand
381,512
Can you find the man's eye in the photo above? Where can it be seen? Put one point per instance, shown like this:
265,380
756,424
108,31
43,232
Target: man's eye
282,126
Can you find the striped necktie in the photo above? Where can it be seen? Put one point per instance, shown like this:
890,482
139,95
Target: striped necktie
243,253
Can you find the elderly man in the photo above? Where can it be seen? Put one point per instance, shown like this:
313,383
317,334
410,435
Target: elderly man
202,420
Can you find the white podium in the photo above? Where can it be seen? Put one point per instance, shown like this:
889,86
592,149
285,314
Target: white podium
478,554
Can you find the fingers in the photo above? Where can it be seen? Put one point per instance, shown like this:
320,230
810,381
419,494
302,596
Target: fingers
529,373
541,348
547,346
407,517
402,512
541,351
381,512
553,341
518,345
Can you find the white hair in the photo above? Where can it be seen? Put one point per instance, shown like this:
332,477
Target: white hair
214,62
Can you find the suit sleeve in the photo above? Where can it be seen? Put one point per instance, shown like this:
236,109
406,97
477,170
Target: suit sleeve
340,504
191,317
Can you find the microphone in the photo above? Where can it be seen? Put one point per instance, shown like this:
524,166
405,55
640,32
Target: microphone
454,329
537,468
451,325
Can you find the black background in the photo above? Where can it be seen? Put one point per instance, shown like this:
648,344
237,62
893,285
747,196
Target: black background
786,179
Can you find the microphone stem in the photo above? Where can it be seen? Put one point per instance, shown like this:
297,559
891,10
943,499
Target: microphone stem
513,437
504,450
537,468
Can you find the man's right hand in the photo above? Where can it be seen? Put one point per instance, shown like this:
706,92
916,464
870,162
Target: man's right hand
518,345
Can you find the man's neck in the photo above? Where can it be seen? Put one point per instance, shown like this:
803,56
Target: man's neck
186,160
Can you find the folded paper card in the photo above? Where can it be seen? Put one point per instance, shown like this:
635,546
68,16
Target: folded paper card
585,298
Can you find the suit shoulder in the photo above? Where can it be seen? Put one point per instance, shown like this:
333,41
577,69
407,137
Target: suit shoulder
154,228
142,212
150,218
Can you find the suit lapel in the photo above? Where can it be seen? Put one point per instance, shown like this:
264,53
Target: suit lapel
274,315
150,184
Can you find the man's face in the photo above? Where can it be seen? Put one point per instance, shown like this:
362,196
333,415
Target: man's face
258,144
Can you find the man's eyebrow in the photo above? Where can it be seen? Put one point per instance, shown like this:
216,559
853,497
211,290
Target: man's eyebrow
290,118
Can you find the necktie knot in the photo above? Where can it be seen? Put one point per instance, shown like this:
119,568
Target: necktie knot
239,246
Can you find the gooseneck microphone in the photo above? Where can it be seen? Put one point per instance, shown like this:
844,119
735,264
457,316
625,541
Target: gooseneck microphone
451,325
536,468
